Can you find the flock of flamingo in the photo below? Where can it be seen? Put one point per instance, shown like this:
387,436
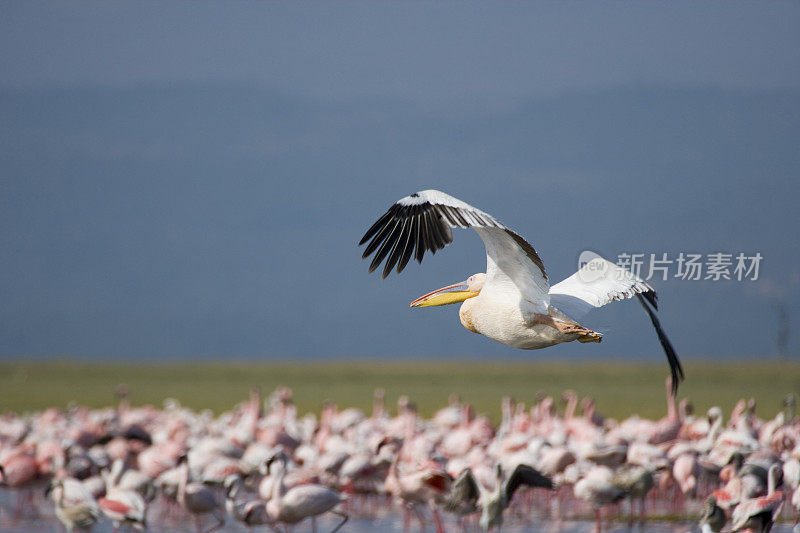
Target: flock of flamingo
263,465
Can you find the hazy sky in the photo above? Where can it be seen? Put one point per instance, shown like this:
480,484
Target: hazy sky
184,178
417,50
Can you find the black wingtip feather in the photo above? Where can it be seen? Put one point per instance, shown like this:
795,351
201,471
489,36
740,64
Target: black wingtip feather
674,363
397,249
651,297
386,247
378,239
410,229
419,250
439,240
408,246
380,223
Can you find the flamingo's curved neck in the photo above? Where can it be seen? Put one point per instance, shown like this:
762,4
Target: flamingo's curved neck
184,479
772,480
572,404
279,489
672,408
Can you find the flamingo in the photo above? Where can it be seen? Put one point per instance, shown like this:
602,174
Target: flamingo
596,488
251,512
758,514
714,417
422,486
686,472
19,471
293,505
635,481
513,302
197,498
667,428
75,507
467,493
713,516
122,505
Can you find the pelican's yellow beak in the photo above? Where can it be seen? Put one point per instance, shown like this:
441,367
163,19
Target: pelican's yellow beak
445,295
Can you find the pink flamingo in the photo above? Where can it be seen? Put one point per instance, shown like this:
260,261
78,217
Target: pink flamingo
122,505
757,514
422,486
197,498
596,487
713,518
686,472
667,428
75,507
293,505
20,471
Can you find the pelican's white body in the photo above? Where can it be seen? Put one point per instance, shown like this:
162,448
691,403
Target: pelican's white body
510,324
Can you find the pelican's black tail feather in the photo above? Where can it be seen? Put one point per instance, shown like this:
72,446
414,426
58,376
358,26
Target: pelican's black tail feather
674,363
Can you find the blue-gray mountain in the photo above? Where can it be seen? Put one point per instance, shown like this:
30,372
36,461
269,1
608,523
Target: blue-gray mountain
223,220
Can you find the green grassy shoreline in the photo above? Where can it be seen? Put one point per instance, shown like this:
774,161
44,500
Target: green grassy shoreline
621,388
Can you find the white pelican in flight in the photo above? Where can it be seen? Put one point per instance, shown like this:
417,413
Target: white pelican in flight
513,302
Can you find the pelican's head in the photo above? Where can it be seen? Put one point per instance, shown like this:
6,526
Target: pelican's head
452,294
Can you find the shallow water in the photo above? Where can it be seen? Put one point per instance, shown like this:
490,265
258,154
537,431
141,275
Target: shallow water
38,515
389,524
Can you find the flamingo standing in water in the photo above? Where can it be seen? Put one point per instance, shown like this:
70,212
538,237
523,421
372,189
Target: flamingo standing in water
635,481
467,492
19,471
757,514
249,511
422,486
197,498
295,504
713,518
596,487
122,505
75,507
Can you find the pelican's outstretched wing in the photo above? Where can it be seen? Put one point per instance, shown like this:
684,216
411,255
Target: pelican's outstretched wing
596,284
599,282
423,221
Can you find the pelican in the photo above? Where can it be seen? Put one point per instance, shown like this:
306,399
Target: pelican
513,302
